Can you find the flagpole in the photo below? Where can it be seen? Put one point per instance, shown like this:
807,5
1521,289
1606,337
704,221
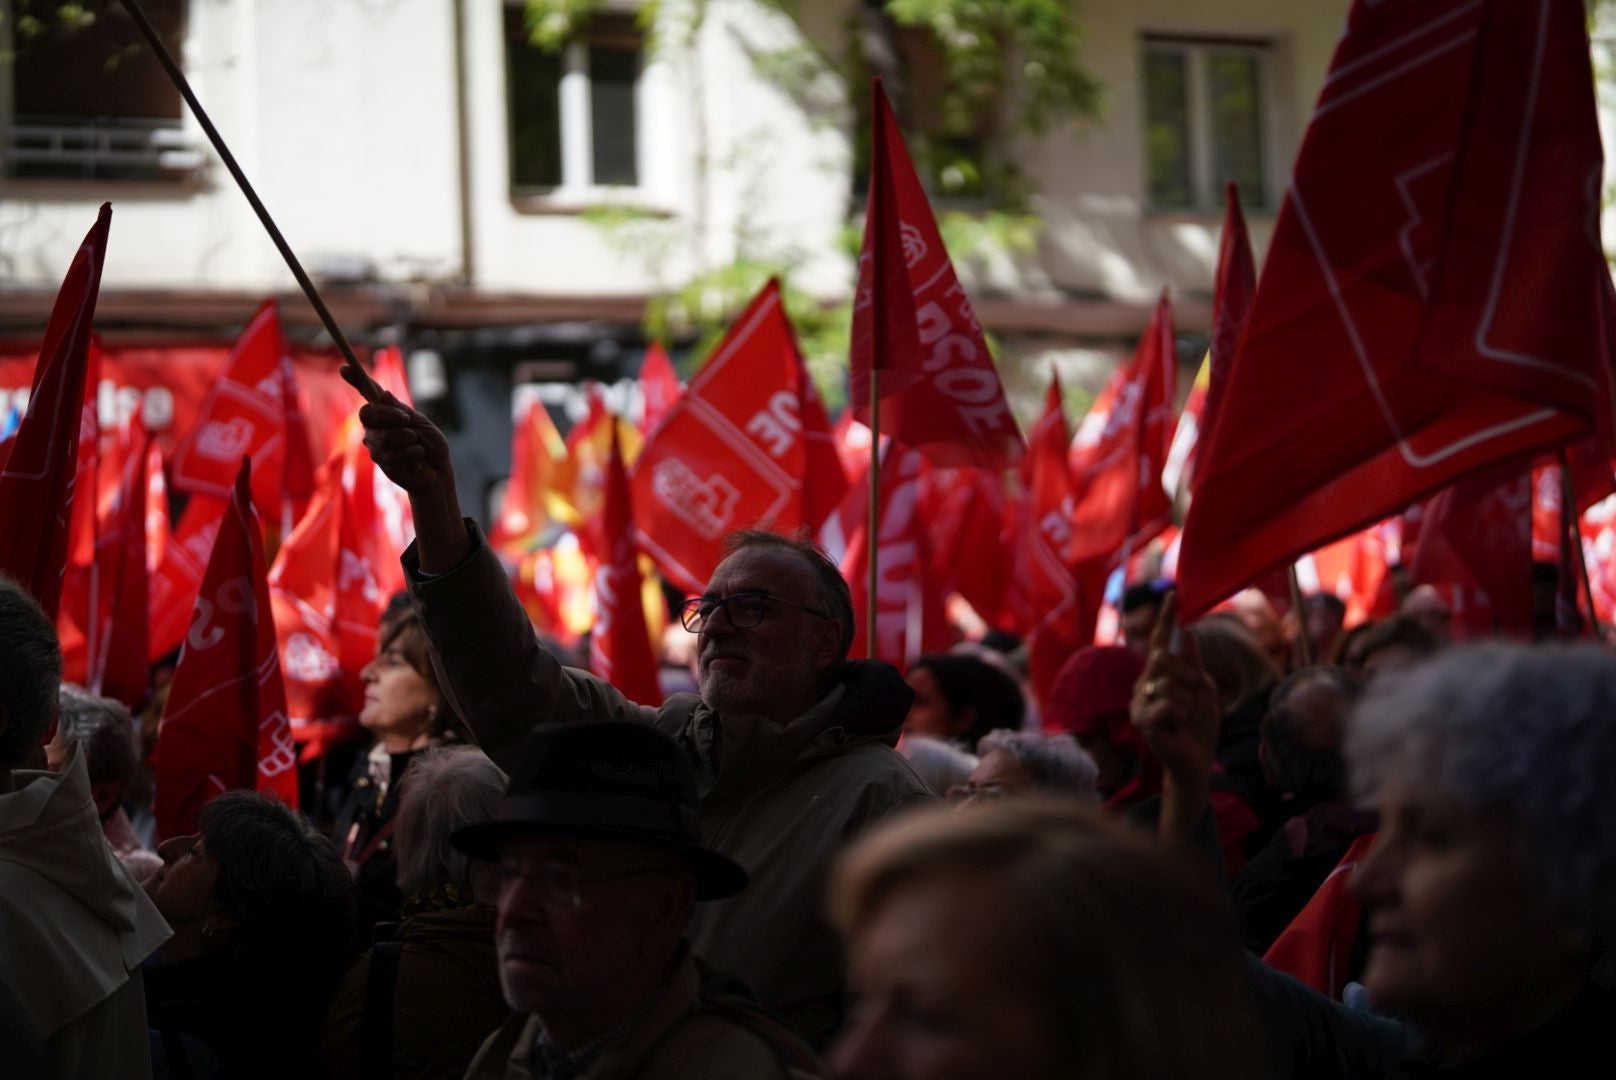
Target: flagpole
871,521
1570,497
1304,647
362,380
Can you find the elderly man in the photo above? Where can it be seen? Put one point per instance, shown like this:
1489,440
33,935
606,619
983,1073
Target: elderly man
600,867
74,926
791,743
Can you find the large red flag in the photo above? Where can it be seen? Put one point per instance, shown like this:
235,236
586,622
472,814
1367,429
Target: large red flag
1426,307
251,409
225,724
78,606
179,573
37,484
970,534
749,443
1117,461
659,384
535,448
620,646
940,393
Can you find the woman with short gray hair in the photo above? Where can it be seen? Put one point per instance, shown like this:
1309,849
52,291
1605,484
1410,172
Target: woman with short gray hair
441,975
1491,887
1024,762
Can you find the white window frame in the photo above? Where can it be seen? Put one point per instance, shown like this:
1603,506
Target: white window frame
1207,189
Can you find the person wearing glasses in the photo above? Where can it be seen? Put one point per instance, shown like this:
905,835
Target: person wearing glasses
600,866
790,742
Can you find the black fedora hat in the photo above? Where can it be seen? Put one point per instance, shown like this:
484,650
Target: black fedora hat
612,780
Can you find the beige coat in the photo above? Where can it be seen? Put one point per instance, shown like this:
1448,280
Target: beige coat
692,1032
779,801
74,927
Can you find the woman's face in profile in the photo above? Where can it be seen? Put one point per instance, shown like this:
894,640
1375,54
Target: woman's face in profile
1460,929
938,989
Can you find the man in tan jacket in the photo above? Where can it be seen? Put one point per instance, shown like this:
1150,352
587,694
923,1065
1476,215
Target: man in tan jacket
600,867
791,743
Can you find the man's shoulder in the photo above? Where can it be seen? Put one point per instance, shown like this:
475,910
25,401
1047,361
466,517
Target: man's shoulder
713,1045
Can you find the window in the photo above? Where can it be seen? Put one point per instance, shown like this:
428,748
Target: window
574,119
1204,122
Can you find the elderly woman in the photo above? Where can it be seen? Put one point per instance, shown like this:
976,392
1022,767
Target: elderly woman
1025,762
421,1005
262,913
406,713
1034,939
1491,888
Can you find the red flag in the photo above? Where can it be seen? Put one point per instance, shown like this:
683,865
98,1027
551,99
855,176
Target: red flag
535,447
1120,501
37,484
969,537
80,598
117,645
1425,309
158,525
251,409
940,393
909,615
179,573
659,384
331,581
1317,946
1477,535
620,646
225,724
748,443
1062,604
1232,294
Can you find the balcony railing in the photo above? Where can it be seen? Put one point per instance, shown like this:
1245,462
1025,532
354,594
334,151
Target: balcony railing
112,148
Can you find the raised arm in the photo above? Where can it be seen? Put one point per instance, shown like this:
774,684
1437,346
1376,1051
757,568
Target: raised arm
493,669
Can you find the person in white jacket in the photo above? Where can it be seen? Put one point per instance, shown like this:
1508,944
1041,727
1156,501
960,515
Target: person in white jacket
74,925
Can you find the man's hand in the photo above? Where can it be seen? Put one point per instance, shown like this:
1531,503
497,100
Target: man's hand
414,454
1175,711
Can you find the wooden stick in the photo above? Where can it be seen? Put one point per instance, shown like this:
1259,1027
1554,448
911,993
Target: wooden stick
359,376
1304,647
872,522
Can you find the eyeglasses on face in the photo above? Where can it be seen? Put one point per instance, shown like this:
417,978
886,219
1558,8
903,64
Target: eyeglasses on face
744,610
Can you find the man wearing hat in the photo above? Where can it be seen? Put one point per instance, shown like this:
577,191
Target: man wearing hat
601,864
791,742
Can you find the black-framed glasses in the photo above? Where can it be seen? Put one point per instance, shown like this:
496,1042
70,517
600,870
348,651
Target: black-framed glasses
744,610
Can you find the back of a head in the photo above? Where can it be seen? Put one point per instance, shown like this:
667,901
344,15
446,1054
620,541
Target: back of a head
288,896
967,682
444,789
1302,733
105,731
30,674
1239,667
1130,951
1400,632
1091,694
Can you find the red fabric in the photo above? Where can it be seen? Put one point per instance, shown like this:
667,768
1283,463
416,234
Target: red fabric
1091,696
749,443
251,409
535,445
80,596
969,540
117,647
1232,293
1117,461
620,645
1317,946
1476,535
179,573
225,724
910,618
1426,307
659,384
940,393
158,523
37,484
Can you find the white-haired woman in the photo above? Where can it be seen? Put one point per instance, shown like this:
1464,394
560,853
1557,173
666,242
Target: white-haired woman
1491,888
420,1005
1025,762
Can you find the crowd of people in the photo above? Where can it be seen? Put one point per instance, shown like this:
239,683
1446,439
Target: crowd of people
816,865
